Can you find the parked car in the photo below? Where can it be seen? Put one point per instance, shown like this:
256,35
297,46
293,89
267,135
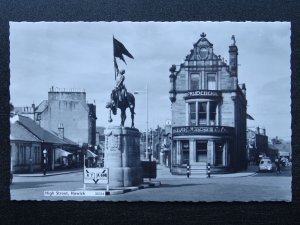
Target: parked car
265,164
284,161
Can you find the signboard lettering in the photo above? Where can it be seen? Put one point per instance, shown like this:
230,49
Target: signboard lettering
207,94
193,130
95,176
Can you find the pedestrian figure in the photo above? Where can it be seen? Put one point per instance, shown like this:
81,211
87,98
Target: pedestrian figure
44,170
277,163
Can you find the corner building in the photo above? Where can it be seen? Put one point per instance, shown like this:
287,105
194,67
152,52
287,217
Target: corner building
209,111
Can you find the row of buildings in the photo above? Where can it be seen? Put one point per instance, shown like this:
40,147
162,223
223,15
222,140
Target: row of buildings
54,134
208,124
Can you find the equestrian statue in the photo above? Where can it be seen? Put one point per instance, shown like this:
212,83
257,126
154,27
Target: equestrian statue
121,99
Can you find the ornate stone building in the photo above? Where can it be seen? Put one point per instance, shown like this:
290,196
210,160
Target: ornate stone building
209,111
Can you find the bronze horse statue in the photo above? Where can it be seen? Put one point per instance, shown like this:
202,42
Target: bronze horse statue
122,102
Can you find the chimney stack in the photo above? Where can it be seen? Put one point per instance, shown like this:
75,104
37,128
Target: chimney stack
61,131
233,58
257,130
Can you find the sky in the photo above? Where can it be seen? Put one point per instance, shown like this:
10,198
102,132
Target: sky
80,55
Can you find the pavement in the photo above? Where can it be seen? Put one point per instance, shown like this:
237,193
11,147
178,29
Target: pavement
122,190
163,173
49,173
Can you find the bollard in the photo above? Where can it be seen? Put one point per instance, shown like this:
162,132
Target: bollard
188,172
208,170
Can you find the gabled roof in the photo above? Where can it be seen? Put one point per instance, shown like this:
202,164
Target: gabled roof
42,106
203,41
67,140
41,133
19,133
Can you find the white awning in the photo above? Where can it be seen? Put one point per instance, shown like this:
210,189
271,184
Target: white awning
60,152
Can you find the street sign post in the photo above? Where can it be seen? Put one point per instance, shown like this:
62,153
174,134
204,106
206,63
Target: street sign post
95,175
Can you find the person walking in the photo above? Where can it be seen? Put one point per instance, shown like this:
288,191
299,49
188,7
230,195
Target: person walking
277,163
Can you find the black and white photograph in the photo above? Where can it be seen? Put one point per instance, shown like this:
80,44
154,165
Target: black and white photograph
150,111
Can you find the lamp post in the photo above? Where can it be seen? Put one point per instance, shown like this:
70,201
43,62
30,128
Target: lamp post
45,161
137,92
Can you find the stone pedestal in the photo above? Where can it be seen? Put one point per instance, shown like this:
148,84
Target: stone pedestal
122,156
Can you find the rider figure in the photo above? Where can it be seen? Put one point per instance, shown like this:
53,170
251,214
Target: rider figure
120,87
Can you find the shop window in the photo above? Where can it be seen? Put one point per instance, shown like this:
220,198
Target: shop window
21,155
202,113
195,82
201,151
24,155
36,154
219,153
211,82
18,155
185,152
212,113
193,114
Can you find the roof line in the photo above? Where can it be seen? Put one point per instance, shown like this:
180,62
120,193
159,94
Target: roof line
29,131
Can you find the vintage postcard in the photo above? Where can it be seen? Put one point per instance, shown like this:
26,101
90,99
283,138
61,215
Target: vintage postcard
150,111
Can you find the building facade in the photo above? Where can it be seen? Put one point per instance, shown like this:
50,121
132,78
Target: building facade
209,111
257,144
34,148
165,154
70,109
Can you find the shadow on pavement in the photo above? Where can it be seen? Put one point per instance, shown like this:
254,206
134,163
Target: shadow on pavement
38,184
180,185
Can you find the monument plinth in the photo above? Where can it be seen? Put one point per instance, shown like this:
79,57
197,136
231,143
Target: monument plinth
122,156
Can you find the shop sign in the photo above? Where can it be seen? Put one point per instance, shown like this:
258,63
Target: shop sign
203,93
196,130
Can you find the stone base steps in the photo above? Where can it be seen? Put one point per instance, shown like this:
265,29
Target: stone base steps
198,169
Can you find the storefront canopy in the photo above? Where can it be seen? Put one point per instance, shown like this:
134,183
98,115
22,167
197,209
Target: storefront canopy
60,152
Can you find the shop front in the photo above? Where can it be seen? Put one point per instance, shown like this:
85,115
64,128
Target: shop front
200,145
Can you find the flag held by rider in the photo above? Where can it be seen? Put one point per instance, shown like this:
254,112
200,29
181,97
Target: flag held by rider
120,50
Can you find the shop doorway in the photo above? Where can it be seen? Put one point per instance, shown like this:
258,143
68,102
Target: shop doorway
219,153
201,151
185,152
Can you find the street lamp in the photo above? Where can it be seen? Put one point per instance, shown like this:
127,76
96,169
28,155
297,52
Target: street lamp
45,161
137,92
